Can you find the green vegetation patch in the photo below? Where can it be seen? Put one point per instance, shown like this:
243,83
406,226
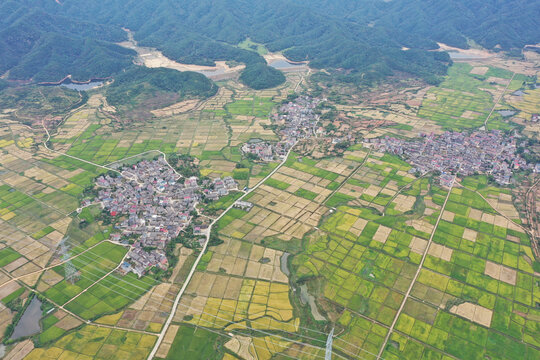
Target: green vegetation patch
338,199
8,255
281,185
139,80
261,76
224,202
195,343
110,295
13,295
306,194
43,232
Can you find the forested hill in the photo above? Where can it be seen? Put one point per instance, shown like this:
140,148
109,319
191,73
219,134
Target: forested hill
147,82
37,45
504,24
362,38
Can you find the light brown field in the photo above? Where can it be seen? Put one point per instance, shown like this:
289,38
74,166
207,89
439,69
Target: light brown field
20,350
178,108
479,70
382,234
440,251
242,346
473,312
418,245
500,272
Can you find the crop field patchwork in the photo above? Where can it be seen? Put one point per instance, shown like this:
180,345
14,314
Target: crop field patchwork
475,295
92,342
465,99
329,242
91,266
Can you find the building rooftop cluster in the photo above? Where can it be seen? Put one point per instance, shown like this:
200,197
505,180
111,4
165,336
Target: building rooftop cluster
263,149
491,152
155,204
299,121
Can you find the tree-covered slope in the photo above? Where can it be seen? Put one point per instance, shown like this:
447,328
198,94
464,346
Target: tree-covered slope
362,39
261,76
41,46
130,85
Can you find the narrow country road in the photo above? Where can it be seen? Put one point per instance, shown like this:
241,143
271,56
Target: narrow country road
192,271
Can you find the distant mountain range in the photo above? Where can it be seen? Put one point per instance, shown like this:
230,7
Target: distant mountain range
45,40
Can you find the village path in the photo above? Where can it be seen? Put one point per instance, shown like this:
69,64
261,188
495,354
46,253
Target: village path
144,153
302,79
98,280
498,100
192,271
381,350
530,210
69,156
400,190
350,176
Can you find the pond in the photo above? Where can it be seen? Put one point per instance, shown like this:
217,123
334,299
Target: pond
454,55
283,263
29,322
285,65
78,86
82,87
306,297
506,113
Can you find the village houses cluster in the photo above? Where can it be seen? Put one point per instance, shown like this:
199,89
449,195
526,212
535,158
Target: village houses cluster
155,204
298,120
490,152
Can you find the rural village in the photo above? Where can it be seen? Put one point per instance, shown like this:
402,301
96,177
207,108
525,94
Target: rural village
490,152
297,120
158,204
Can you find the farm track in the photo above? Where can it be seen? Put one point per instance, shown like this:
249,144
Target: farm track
381,350
350,176
498,100
530,210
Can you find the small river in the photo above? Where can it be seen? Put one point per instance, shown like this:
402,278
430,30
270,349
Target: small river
29,322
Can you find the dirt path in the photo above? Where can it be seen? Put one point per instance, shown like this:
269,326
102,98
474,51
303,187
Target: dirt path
498,100
98,280
70,156
530,210
350,176
416,275
403,188
302,79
